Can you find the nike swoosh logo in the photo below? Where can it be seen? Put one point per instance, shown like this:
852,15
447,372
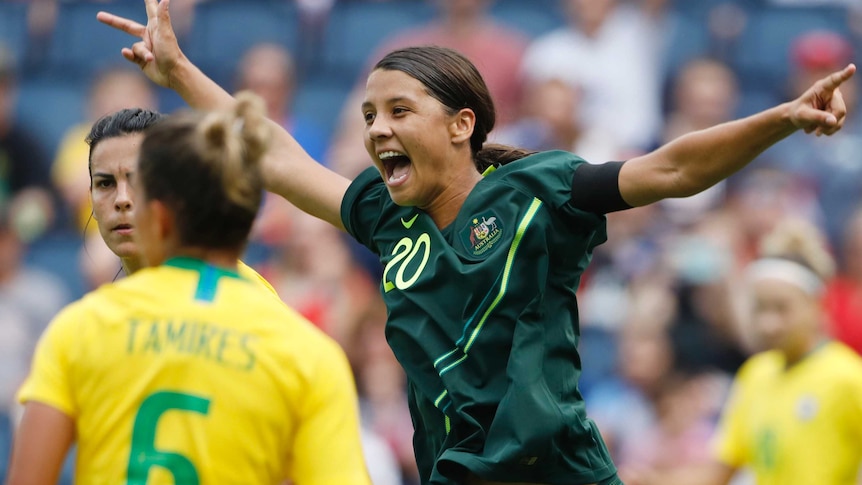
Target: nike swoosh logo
409,224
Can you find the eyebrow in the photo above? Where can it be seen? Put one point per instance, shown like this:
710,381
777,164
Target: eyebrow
103,175
399,99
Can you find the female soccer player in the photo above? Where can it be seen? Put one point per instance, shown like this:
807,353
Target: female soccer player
795,416
114,142
482,257
185,371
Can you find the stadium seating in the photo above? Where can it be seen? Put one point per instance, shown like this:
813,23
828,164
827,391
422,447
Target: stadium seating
80,44
531,18
356,29
761,55
48,106
13,29
320,101
224,29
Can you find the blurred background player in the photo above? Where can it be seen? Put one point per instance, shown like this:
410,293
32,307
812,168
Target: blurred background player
794,416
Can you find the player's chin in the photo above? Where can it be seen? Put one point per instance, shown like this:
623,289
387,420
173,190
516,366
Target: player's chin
401,197
125,248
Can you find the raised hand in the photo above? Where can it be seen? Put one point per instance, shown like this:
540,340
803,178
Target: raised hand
157,53
821,109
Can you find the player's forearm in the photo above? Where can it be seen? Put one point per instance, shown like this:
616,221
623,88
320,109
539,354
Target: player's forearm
291,173
703,158
198,90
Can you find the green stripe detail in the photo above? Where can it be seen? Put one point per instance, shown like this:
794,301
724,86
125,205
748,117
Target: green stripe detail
504,283
448,423
444,356
522,228
453,364
440,398
209,275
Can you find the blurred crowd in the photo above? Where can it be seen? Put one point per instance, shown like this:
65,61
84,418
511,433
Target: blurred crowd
664,325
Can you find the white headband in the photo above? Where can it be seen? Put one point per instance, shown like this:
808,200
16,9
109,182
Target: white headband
787,271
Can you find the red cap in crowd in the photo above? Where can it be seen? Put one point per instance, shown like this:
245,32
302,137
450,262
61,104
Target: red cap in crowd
821,49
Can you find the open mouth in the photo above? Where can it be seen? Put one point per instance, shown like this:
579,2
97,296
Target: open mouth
396,165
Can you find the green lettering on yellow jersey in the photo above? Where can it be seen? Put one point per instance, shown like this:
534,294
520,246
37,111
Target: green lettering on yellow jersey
224,346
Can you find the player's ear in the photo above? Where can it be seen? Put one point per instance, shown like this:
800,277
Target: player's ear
461,127
163,219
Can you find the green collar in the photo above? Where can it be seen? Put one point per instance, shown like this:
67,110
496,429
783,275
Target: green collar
199,265
209,276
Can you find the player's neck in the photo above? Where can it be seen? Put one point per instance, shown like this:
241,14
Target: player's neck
131,265
793,358
224,258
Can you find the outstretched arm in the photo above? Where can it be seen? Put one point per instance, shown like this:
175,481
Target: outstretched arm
288,170
698,160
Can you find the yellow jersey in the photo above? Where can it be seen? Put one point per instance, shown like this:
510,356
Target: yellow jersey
186,373
799,425
250,274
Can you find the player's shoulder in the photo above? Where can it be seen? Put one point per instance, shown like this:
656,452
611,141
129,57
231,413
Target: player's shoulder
761,365
290,329
840,359
81,313
538,164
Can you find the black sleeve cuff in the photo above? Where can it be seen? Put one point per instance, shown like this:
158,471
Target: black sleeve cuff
596,188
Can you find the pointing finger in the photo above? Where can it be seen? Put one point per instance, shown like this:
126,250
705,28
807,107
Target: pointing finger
126,25
835,79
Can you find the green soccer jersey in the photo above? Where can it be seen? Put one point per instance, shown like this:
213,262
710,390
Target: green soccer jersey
484,320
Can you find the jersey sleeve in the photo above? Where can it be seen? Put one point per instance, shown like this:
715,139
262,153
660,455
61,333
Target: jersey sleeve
549,176
50,379
328,447
362,205
729,445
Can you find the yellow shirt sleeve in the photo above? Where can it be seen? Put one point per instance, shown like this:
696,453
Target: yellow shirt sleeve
730,445
249,273
328,448
49,381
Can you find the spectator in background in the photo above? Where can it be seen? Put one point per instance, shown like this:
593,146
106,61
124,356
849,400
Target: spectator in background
612,51
465,26
29,299
312,271
544,118
657,411
831,168
110,91
622,405
704,93
23,165
269,71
